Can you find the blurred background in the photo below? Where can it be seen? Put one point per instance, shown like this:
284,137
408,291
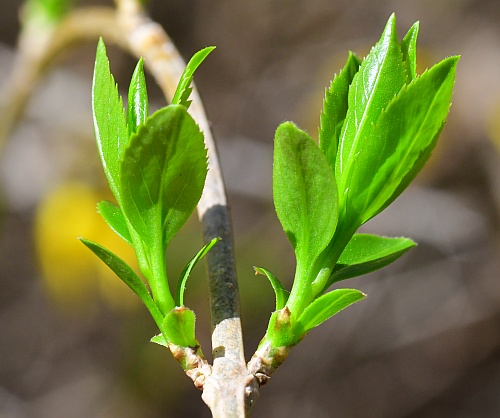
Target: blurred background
426,341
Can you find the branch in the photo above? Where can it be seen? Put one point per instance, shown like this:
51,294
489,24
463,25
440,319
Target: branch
37,48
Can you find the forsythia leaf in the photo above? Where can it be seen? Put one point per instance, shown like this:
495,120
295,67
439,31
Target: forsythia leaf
279,290
183,91
109,120
304,192
113,216
327,306
138,105
126,274
378,80
162,175
335,109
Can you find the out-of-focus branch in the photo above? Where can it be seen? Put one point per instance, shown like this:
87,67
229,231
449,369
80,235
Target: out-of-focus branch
37,48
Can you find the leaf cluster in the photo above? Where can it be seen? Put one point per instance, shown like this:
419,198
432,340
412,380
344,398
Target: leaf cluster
156,167
379,125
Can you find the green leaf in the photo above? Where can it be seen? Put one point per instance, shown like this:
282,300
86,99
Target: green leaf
109,120
160,340
325,307
181,284
279,290
183,91
305,195
162,175
409,50
335,109
138,106
403,139
366,253
380,77
127,275
113,216
179,324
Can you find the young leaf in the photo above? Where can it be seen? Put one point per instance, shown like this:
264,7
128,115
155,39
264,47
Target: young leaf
305,195
403,139
335,109
409,50
162,175
325,307
181,284
379,78
160,340
179,325
127,275
183,91
366,253
109,120
279,290
113,216
138,106
280,331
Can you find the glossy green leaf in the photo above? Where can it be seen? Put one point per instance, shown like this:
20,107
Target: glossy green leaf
279,290
181,284
138,105
403,139
409,50
113,216
366,253
379,79
327,306
183,91
305,195
127,275
162,175
109,120
335,109
179,324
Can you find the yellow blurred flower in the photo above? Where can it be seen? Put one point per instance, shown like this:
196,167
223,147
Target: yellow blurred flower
74,278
